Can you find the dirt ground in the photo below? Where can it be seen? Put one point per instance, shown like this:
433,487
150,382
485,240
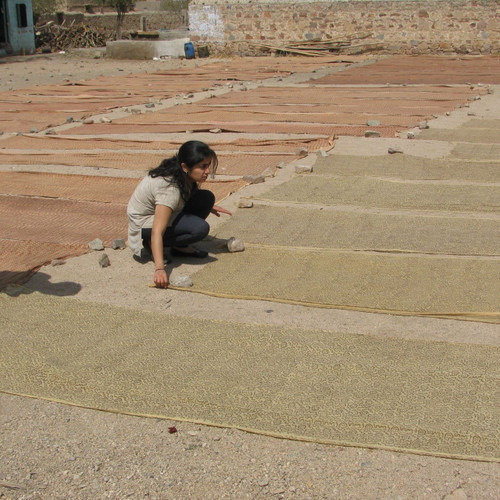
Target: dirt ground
49,450
76,64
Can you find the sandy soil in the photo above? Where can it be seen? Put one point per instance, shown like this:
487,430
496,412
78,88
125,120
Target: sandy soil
50,450
77,64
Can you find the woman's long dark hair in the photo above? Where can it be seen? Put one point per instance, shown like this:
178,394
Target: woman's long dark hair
190,153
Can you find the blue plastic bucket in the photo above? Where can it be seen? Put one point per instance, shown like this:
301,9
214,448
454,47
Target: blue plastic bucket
189,50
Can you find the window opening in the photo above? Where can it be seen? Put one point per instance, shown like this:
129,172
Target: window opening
22,15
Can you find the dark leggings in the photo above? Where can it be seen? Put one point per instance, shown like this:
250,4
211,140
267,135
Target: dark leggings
190,225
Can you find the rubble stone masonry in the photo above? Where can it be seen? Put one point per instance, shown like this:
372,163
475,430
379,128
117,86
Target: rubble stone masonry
132,21
398,26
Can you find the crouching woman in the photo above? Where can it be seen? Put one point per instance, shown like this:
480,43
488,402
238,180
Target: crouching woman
168,209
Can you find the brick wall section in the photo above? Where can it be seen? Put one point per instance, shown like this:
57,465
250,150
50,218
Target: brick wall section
400,26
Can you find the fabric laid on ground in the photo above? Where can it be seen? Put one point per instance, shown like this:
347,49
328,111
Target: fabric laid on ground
408,167
237,68
222,189
50,105
384,98
385,193
295,110
254,127
236,164
27,120
422,70
319,228
113,190
482,123
477,151
240,144
250,126
19,259
25,109
287,112
37,142
61,221
123,161
479,135
432,398
74,187
49,216
418,285
276,108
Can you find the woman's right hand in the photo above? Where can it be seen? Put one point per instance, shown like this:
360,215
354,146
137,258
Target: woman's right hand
161,278
160,223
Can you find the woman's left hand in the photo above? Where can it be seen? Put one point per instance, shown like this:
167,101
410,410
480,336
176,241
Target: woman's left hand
219,210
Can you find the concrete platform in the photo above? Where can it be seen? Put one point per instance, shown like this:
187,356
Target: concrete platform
146,49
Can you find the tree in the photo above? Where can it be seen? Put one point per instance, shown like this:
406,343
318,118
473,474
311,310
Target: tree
43,8
122,7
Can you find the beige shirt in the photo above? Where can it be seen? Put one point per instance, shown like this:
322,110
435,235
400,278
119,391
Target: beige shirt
150,192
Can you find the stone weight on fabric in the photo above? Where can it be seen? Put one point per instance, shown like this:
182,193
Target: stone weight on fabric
182,281
245,204
303,169
119,244
96,244
254,179
235,245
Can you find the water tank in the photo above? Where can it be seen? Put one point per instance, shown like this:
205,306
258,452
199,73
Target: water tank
189,50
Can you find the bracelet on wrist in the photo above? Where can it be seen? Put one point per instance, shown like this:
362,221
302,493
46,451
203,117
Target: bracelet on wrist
160,269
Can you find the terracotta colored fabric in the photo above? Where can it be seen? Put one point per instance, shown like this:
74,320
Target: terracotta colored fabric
19,259
422,70
290,145
228,164
313,113
256,126
314,93
50,105
49,216
297,110
71,187
61,221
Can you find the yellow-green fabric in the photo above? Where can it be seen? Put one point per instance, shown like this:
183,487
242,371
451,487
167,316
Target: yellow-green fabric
387,194
482,123
313,227
425,285
427,397
409,167
478,152
469,134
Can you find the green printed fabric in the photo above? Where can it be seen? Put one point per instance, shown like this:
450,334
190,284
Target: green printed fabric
323,228
427,397
387,194
392,283
409,167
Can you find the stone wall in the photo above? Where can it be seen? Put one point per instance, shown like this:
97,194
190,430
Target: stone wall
398,26
131,22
